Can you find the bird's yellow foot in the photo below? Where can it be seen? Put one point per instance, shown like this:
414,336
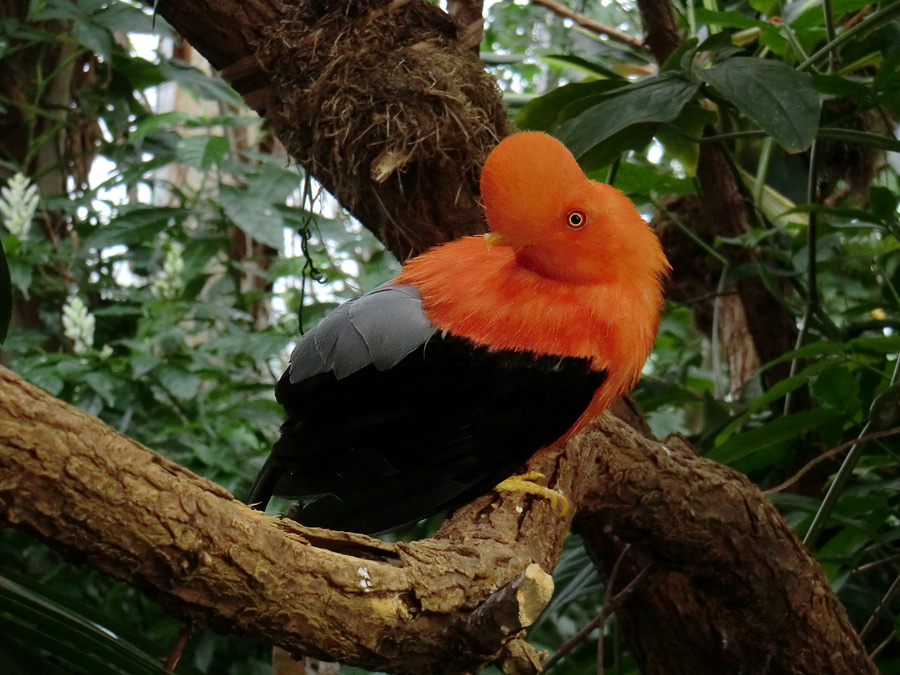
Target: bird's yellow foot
524,483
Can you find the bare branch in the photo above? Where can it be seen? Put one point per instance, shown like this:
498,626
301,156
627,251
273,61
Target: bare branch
592,25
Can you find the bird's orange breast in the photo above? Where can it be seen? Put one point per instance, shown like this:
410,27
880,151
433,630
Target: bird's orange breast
486,296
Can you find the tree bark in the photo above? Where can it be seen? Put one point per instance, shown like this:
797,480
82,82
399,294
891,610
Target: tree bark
438,605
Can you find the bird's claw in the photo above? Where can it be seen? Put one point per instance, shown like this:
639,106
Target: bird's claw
524,483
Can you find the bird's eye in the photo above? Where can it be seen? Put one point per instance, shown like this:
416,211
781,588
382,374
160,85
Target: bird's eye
576,219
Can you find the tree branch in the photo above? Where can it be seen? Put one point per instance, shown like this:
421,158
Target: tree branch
75,482
80,485
592,25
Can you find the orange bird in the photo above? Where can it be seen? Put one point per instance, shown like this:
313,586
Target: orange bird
434,387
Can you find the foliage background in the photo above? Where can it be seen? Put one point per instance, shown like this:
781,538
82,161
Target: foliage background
193,243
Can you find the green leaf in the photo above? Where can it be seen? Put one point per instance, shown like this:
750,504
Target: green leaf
150,123
772,94
543,112
180,383
5,296
55,629
199,83
104,384
883,202
677,136
202,151
257,217
136,225
838,389
730,19
273,184
93,37
580,65
655,99
835,85
128,19
21,275
603,154
774,432
637,179
764,6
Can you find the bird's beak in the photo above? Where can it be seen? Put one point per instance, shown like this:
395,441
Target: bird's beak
493,239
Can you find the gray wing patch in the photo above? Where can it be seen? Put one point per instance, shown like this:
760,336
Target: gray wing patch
379,328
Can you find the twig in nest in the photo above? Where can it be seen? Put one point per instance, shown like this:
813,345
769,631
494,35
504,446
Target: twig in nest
592,25
610,604
828,454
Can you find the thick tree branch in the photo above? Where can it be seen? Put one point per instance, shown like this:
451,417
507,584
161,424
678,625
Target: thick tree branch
83,487
417,607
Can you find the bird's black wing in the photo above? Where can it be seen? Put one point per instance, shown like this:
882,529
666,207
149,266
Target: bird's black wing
390,420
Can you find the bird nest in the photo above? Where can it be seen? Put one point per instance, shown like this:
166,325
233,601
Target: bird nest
367,91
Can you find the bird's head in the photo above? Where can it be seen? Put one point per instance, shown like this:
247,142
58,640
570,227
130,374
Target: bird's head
561,224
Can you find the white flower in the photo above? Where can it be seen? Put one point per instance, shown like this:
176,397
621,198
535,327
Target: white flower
170,284
78,324
18,202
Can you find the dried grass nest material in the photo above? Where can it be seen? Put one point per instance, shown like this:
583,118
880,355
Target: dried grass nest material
370,89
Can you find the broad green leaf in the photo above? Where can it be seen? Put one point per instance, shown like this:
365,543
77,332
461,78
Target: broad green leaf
49,625
681,58
772,94
202,151
137,72
21,275
654,99
94,38
887,344
180,383
257,217
274,184
580,65
779,430
677,136
730,19
764,6
637,179
129,19
5,296
134,226
838,388
836,85
883,202
602,155
199,83
151,123
543,112
104,384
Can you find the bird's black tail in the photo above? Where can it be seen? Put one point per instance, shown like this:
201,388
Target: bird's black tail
261,490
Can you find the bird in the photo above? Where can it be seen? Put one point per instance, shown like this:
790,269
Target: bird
433,388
